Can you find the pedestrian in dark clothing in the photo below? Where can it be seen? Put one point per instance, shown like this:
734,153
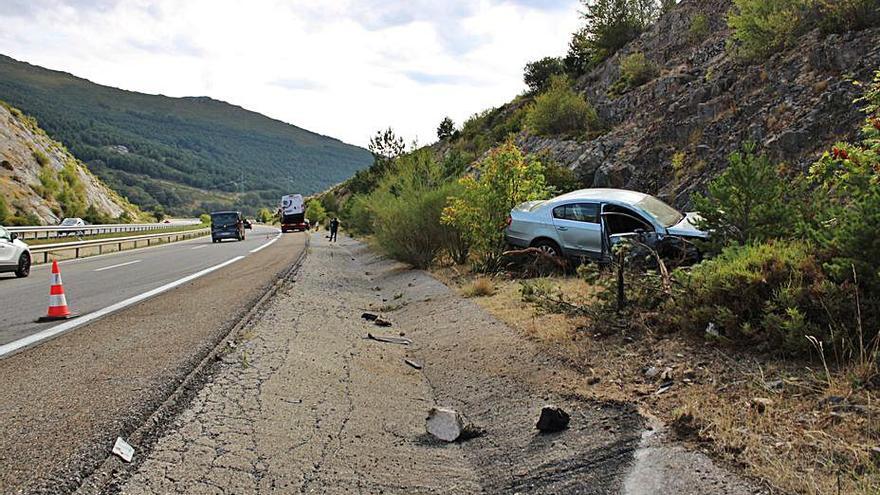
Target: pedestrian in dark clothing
334,227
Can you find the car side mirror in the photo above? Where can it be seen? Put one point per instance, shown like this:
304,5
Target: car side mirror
13,236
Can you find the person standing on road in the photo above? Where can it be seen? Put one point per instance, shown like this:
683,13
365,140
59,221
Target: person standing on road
334,227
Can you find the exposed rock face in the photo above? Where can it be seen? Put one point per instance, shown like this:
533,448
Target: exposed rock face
705,104
20,138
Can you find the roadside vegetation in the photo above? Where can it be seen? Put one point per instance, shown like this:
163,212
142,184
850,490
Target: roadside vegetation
768,348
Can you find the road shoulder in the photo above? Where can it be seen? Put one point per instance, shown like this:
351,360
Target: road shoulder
305,403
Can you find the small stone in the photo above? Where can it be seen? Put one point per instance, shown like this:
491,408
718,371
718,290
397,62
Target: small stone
652,372
593,380
689,374
552,419
444,424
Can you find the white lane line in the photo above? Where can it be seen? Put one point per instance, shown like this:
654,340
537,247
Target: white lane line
117,266
70,325
200,247
264,246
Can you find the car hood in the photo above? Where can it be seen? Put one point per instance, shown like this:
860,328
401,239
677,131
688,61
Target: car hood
687,227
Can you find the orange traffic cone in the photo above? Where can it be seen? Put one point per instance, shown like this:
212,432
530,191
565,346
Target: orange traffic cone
58,309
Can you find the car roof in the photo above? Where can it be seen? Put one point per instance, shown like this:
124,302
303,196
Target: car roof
604,194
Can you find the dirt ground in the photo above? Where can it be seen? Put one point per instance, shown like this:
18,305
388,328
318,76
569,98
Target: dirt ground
304,403
776,420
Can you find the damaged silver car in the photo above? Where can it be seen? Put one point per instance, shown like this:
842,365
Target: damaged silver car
588,222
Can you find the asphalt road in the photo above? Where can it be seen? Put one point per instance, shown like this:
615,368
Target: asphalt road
95,283
64,402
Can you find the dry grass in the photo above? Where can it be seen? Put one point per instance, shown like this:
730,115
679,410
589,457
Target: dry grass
810,438
479,287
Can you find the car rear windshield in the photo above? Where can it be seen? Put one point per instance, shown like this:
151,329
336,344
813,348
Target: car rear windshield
68,221
665,214
224,218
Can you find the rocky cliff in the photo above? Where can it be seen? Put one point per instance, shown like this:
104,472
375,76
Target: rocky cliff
26,153
672,134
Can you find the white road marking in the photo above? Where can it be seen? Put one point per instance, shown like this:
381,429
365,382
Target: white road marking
267,244
71,324
199,247
117,266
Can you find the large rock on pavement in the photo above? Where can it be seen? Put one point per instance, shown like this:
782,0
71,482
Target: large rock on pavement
445,424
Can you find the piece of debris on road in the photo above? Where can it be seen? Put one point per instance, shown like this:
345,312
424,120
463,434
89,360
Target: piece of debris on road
389,340
413,364
122,449
553,419
444,424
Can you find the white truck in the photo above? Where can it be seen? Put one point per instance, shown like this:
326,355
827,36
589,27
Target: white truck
293,216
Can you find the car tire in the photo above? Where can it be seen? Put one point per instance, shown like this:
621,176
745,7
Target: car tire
548,247
24,266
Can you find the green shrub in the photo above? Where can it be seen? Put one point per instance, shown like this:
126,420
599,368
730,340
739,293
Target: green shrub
560,179
48,182
699,28
635,70
840,16
502,180
205,219
407,227
763,27
538,74
357,215
773,293
749,202
608,26
4,210
41,158
315,211
561,110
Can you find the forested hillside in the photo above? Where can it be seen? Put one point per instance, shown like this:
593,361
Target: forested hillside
185,154
41,182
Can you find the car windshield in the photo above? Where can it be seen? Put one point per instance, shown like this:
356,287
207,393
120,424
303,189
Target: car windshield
68,222
224,218
665,214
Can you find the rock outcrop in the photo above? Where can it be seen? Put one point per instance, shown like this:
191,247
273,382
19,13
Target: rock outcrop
23,145
705,104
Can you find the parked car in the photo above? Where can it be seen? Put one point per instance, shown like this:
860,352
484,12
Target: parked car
15,256
586,223
227,225
73,222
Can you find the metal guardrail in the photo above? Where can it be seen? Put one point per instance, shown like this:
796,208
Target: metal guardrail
119,242
48,232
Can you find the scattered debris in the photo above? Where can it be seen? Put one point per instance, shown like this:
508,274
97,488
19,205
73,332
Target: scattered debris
369,316
379,322
553,419
413,364
664,387
390,340
652,372
444,424
122,449
593,380
760,404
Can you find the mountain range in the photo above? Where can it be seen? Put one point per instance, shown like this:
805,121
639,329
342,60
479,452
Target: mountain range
186,155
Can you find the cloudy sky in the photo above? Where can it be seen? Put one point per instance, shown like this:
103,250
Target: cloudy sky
344,68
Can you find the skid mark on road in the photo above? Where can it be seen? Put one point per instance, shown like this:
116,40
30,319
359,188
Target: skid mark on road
117,266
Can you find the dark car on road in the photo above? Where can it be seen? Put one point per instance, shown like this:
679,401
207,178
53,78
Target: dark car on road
228,225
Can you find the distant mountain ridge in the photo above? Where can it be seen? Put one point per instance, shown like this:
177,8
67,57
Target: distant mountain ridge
185,154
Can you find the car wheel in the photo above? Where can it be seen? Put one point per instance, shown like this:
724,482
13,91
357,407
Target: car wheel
24,266
548,247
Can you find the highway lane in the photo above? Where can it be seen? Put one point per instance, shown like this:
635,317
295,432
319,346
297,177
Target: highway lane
64,402
92,284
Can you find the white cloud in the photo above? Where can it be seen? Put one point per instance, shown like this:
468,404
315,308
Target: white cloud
344,68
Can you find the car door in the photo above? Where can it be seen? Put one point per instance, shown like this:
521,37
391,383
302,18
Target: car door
578,228
8,250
